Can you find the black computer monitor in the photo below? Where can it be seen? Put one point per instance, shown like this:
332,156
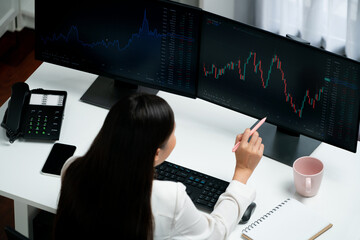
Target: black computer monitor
307,94
146,43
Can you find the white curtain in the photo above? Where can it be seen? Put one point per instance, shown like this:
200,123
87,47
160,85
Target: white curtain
331,24
353,31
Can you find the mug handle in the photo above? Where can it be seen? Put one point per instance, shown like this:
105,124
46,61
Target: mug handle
308,185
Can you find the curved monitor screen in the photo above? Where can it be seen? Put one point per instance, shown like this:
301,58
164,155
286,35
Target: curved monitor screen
298,87
151,43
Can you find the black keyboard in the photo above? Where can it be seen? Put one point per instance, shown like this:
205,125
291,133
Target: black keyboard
203,189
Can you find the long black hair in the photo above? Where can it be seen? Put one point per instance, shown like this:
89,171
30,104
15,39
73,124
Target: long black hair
107,192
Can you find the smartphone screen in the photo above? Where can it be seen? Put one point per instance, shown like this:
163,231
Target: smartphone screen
57,157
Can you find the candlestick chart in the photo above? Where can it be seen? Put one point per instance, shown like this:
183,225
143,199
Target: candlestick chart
251,61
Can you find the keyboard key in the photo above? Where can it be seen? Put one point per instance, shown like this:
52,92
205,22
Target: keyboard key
180,179
201,201
182,174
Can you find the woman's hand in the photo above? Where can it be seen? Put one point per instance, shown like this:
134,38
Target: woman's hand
247,155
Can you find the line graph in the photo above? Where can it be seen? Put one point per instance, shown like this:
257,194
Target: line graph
217,72
143,33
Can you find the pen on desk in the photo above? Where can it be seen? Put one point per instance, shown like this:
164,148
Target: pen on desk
251,132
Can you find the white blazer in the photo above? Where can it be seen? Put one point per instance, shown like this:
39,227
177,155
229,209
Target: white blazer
176,217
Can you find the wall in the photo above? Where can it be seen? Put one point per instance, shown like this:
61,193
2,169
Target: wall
9,9
27,14
16,14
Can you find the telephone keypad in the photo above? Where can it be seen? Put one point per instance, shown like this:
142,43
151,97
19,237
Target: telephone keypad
43,123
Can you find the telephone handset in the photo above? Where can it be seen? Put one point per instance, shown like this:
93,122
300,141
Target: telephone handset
34,114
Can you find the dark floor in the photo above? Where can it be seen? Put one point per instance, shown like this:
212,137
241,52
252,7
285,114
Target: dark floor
17,63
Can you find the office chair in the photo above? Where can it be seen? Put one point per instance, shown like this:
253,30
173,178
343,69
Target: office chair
12,234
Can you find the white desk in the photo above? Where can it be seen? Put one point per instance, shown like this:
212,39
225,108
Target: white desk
205,135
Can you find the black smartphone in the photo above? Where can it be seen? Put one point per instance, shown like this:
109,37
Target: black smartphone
56,159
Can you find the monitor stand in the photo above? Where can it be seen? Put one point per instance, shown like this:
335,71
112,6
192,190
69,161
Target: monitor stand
105,92
284,146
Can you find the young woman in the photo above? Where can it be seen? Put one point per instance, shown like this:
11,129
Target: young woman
110,192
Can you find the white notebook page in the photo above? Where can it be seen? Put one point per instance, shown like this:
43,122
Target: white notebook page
289,220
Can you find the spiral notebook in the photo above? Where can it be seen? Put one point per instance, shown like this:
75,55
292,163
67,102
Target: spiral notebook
289,220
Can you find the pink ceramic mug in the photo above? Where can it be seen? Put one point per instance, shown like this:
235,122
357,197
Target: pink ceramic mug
308,172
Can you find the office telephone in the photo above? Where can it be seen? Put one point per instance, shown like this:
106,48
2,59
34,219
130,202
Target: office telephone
34,114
